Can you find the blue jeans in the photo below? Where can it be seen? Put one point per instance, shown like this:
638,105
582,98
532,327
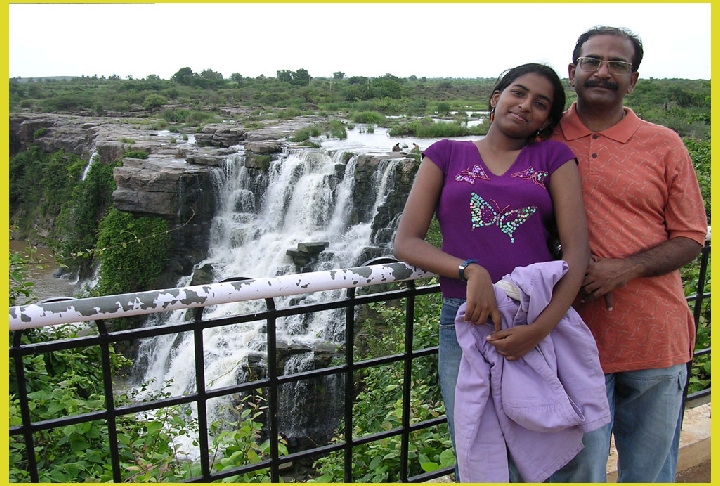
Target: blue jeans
449,356
646,410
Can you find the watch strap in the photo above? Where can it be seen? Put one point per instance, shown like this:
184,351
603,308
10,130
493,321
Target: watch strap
462,267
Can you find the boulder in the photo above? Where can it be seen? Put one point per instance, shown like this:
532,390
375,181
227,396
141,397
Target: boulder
168,188
264,147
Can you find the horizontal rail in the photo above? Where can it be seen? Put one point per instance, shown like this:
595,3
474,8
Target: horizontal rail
149,302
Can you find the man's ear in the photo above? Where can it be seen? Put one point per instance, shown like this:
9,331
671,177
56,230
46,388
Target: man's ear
571,74
633,80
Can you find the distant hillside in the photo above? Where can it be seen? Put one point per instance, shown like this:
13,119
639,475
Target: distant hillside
193,99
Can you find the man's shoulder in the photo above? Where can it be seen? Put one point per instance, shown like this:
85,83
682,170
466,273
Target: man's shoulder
649,128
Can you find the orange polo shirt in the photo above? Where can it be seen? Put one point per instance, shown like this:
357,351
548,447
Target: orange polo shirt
640,189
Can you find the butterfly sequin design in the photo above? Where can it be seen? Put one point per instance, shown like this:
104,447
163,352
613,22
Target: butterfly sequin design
484,214
532,175
469,175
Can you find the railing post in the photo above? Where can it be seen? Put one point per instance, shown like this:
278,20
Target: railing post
109,401
349,384
697,310
25,410
201,402
272,392
407,381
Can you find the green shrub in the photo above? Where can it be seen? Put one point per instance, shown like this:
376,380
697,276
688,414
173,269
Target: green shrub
154,101
428,128
199,117
305,133
369,117
133,252
80,216
337,129
40,184
135,154
176,115
39,133
700,154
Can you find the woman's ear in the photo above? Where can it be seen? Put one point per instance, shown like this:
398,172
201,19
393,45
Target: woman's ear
494,98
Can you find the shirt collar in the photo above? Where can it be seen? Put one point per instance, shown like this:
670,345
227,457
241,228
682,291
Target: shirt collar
621,132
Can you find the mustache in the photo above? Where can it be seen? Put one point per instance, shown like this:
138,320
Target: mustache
592,83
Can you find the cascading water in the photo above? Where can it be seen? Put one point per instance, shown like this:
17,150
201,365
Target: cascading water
304,196
95,155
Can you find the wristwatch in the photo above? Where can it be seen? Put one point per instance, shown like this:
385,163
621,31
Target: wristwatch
462,267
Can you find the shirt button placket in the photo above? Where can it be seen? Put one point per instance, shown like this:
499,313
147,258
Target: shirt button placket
594,154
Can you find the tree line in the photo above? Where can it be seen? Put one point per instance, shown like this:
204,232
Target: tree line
681,104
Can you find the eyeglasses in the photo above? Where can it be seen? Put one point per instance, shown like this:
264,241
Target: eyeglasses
592,64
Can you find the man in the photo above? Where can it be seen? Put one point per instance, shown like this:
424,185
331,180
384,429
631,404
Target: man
646,220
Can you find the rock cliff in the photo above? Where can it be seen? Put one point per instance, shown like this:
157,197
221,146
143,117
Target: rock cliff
178,178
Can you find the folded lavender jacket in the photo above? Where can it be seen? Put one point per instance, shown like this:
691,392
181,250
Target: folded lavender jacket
538,406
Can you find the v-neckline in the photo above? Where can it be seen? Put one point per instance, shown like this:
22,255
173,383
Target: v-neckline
487,167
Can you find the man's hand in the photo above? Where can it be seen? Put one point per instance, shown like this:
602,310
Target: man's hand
603,275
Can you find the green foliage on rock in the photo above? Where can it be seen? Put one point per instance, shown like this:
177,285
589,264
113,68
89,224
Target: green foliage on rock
40,184
80,216
132,251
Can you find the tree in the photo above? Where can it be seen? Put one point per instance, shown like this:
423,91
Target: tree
237,77
301,77
211,79
388,85
285,76
339,75
184,76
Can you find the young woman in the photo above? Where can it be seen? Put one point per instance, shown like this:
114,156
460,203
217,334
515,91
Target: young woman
496,200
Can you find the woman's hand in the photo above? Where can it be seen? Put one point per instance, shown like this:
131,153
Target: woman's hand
515,342
481,305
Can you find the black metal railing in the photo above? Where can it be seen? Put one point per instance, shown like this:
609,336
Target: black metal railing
98,310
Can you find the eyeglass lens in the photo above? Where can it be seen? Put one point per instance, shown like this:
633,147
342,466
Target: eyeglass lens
593,64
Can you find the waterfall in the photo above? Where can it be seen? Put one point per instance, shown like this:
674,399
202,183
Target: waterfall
95,155
304,196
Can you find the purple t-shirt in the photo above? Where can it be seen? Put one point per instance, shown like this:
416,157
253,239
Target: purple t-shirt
500,221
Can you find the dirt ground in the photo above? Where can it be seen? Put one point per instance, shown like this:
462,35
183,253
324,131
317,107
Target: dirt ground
696,474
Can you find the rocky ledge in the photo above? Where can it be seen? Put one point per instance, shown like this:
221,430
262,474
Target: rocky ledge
174,179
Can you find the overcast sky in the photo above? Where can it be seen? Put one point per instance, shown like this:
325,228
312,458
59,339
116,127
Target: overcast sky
458,40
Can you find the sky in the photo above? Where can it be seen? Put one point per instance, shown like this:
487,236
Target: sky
454,40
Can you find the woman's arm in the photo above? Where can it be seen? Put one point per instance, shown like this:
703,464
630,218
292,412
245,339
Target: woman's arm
411,247
566,193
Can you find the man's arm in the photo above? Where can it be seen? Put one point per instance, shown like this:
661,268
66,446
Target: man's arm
604,275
